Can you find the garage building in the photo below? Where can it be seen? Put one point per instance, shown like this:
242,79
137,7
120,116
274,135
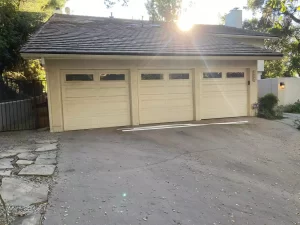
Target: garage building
106,72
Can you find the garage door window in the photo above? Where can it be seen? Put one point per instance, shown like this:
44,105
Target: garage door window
212,75
235,75
179,76
79,77
112,77
153,76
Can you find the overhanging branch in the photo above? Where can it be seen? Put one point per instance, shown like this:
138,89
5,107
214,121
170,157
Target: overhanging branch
292,16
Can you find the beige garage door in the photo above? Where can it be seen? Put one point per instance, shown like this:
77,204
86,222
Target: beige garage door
95,99
165,96
224,93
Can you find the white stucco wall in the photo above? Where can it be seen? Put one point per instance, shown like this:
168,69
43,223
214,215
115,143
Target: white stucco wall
290,94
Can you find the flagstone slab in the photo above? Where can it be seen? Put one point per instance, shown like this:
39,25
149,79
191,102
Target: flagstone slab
24,162
34,219
5,173
19,150
48,155
27,156
45,141
6,163
40,161
18,192
38,170
7,154
46,147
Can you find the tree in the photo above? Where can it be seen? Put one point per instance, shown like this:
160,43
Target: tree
273,19
163,10
40,6
287,8
17,22
158,10
110,3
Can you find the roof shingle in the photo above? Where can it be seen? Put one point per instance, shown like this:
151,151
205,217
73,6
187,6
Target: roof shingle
68,34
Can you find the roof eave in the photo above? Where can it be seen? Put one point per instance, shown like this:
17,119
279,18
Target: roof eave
119,56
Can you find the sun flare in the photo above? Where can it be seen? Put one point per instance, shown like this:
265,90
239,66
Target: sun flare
185,23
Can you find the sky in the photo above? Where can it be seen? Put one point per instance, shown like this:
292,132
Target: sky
202,12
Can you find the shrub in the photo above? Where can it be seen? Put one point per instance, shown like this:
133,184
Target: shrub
267,107
293,108
279,111
297,123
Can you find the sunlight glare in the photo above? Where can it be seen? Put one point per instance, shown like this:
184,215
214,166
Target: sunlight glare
185,23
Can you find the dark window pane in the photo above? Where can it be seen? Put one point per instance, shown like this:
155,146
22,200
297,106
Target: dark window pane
112,76
179,76
152,76
79,77
235,75
212,75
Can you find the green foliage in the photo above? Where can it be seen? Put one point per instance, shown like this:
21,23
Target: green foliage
30,70
111,3
292,108
20,19
267,107
163,10
273,20
38,6
275,8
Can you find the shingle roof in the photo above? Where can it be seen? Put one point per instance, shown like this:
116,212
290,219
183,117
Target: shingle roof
69,34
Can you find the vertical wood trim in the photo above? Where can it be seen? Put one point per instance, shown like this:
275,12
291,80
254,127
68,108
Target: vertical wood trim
252,90
134,99
59,72
248,74
197,94
49,97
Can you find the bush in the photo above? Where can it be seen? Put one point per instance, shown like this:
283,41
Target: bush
297,123
268,107
279,111
292,108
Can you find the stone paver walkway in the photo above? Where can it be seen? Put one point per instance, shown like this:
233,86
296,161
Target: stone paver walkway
25,172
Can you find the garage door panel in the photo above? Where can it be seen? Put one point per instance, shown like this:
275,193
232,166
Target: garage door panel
155,116
165,100
182,90
95,104
101,108
238,94
180,103
225,87
96,122
94,92
153,103
224,97
146,90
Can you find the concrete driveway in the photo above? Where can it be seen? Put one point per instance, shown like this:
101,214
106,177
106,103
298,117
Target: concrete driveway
222,174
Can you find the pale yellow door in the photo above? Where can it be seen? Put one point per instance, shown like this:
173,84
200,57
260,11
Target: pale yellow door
165,96
224,93
95,99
